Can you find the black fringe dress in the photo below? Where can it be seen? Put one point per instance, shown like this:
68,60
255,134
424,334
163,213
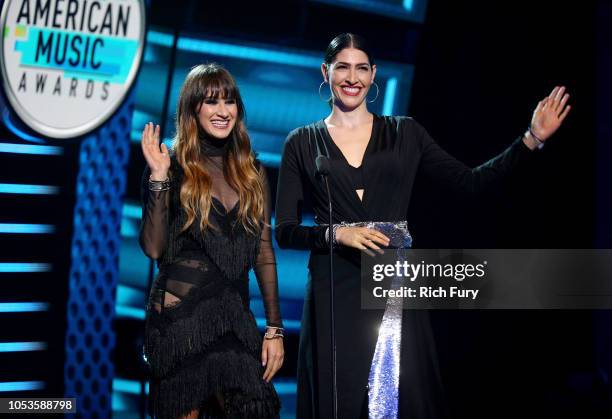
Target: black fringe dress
201,340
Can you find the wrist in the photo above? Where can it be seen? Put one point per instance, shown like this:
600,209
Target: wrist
158,185
159,176
531,141
273,332
337,234
331,235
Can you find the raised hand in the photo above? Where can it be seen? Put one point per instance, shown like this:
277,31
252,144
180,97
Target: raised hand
157,157
550,113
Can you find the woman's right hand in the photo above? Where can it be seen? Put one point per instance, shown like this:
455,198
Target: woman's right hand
362,238
158,160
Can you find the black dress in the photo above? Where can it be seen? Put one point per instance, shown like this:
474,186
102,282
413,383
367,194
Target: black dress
201,339
398,150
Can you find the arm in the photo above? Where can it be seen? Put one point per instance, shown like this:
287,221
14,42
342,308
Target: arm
440,166
547,118
154,227
272,350
265,265
289,200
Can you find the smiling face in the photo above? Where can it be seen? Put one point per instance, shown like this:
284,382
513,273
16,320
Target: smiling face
217,116
350,76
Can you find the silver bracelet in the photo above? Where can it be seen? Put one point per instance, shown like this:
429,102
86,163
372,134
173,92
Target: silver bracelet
159,185
334,230
535,137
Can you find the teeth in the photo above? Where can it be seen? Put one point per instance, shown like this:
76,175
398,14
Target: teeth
220,124
351,90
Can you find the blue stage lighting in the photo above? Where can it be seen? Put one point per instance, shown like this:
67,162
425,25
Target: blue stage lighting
6,119
130,312
122,385
23,307
15,188
250,53
389,101
47,150
413,10
22,346
27,228
24,267
21,386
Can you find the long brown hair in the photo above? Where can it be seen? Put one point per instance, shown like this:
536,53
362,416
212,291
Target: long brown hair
213,81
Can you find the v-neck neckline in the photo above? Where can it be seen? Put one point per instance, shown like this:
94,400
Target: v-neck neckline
329,139
225,210
334,145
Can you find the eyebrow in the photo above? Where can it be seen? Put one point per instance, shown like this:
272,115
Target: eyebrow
342,62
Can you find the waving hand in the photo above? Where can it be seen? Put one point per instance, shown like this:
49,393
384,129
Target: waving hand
550,113
157,157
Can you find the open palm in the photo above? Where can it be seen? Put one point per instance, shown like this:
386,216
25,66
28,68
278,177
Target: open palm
157,157
550,113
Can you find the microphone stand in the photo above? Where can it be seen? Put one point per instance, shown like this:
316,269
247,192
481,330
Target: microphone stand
323,169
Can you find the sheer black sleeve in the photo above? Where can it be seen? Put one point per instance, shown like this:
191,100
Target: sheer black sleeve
289,200
265,265
442,167
154,226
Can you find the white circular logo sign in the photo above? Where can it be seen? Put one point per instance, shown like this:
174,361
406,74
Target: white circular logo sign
68,64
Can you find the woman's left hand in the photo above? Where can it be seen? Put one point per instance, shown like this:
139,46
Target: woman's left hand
272,356
550,113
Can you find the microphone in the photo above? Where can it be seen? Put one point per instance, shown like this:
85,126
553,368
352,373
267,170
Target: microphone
323,166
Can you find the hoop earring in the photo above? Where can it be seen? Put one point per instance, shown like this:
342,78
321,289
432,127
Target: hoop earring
320,86
377,92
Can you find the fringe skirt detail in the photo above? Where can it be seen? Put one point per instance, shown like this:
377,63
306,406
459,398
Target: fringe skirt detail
207,347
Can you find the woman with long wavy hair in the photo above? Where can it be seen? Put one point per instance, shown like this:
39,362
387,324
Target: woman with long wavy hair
206,221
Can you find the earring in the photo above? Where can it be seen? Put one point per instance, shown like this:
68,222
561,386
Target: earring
377,92
320,97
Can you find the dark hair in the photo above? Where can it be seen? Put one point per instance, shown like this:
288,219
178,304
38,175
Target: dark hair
346,40
206,81
214,81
